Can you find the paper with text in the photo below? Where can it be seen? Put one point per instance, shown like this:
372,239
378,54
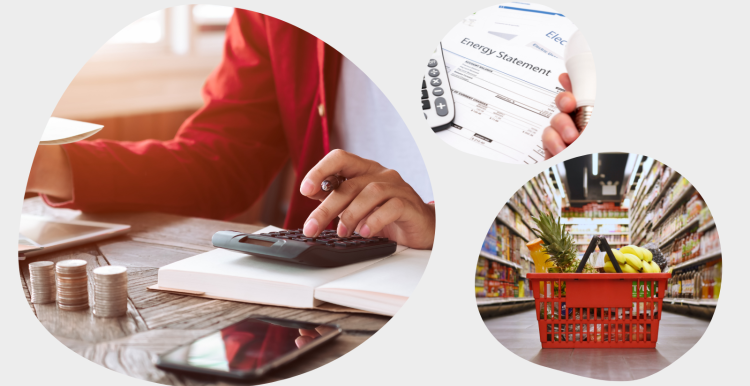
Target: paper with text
504,79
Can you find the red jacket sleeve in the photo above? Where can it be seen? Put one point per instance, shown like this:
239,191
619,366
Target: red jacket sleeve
222,158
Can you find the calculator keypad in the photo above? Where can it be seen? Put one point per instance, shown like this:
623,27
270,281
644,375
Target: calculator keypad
329,238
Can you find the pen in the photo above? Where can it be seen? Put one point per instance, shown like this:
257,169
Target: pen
331,183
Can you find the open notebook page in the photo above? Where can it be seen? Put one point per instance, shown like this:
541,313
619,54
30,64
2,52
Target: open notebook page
380,288
60,131
234,275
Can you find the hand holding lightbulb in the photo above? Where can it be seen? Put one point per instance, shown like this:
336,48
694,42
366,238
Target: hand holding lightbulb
562,130
581,81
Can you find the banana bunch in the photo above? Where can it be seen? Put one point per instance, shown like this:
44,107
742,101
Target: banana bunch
632,259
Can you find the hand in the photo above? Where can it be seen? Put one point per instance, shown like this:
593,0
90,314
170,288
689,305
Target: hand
307,336
50,173
373,201
562,131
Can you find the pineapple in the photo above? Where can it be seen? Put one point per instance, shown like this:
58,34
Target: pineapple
558,244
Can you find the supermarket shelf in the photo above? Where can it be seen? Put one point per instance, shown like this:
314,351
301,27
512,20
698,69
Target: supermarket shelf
608,242
590,221
531,212
598,233
692,302
689,190
495,301
672,179
697,260
707,226
680,231
642,210
499,260
512,228
539,196
532,200
514,208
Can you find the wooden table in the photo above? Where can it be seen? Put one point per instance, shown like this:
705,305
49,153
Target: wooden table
157,321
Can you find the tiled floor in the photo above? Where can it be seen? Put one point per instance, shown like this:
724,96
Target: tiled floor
519,333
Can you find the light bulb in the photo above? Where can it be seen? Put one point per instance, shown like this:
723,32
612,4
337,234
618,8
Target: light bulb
580,65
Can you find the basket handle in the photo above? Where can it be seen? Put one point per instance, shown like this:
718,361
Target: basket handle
603,244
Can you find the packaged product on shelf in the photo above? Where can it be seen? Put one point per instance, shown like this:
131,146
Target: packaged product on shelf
493,272
490,245
595,210
710,242
482,265
493,288
480,287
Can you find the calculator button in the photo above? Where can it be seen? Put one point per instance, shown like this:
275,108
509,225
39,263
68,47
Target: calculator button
425,104
441,107
424,84
424,94
352,243
433,72
434,82
432,63
322,241
437,91
370,241
340,244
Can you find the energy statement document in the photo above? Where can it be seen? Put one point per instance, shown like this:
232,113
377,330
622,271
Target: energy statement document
503,65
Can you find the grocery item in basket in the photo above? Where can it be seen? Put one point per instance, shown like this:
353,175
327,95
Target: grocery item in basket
557,243
658,257
647,255
633,260
619,256
633,250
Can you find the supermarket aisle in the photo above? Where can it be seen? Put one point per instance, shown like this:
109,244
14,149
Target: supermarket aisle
519,333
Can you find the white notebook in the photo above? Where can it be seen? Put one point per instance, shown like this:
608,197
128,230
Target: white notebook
379,286
60,131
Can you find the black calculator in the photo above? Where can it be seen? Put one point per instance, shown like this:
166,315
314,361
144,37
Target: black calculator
326,250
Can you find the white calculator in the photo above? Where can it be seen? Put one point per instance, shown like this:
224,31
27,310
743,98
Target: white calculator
437,99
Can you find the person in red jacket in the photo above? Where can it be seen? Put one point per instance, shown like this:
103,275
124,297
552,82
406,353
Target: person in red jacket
279,95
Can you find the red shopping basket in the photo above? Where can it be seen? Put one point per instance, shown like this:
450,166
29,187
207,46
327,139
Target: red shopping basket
597,310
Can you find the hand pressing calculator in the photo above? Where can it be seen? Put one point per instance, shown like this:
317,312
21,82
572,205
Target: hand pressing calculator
326,250
437,98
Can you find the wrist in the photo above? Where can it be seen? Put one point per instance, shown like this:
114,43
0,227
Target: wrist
50,173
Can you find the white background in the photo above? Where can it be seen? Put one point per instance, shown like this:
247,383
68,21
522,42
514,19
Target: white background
672,81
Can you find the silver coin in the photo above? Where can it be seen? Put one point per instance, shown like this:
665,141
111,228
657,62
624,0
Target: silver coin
73,307
41,264
73,299
119,290
39,291
72,263
113,312
109,270
110,304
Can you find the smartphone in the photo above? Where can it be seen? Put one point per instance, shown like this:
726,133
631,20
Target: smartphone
248,349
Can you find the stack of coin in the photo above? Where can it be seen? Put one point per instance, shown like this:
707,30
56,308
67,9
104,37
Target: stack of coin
110,291
42,282
72,285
